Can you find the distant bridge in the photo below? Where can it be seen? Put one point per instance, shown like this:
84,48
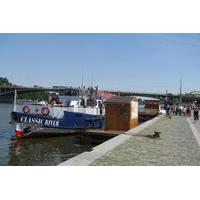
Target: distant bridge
7,93
21,90
173,98
141,94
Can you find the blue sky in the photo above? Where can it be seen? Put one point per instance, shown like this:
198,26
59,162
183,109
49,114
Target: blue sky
141,62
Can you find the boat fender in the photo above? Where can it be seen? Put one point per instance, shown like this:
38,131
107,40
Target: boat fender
26,109
45,111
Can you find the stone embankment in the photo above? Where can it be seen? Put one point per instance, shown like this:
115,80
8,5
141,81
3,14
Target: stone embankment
177,146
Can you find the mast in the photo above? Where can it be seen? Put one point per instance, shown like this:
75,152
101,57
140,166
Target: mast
82,81
15,100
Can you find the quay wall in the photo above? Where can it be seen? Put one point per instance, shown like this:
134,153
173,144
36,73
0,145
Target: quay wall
86,158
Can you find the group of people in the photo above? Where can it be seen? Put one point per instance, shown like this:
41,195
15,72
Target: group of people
55,101
186,111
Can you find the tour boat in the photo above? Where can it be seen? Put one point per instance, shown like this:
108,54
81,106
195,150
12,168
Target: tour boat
42,119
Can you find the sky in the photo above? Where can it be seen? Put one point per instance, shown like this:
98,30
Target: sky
127,62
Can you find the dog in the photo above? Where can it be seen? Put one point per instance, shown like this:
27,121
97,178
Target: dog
156,134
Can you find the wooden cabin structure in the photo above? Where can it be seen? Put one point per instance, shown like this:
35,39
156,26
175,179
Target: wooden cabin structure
121,113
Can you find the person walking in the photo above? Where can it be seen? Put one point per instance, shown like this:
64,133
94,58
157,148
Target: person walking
174,110
196,113
188,111
184,111
177,110
167,110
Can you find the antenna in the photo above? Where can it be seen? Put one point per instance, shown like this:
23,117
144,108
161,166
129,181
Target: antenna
92,80
82,81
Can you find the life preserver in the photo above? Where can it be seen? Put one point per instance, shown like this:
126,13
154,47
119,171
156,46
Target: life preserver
26,109
45,111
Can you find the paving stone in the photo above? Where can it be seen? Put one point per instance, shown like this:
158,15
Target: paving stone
176,147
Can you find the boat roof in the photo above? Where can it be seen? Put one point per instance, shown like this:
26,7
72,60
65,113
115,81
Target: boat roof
118,99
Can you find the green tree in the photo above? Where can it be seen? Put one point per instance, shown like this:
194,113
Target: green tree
28,96
4,82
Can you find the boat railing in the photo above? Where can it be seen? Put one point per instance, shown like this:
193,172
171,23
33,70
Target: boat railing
92,111
55,111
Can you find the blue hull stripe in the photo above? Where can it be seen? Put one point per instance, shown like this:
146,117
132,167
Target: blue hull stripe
70,120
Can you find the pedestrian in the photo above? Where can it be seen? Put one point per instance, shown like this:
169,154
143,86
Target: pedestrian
180,110
196,113
177,110
188,111
184,110
168,110
173,110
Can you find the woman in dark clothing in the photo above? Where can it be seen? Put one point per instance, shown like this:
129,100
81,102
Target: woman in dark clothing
196,113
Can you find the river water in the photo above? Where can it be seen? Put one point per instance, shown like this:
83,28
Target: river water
36,151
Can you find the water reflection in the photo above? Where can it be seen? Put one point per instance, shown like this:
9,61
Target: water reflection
46,151
39,151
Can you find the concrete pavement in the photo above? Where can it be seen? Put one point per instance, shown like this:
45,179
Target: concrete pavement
179,145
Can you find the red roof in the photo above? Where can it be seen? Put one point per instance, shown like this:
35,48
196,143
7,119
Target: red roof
106,95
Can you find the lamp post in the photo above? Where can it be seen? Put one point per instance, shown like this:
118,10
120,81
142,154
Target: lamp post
180,99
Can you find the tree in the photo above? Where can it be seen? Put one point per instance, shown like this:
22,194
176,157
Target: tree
4,82
31,95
